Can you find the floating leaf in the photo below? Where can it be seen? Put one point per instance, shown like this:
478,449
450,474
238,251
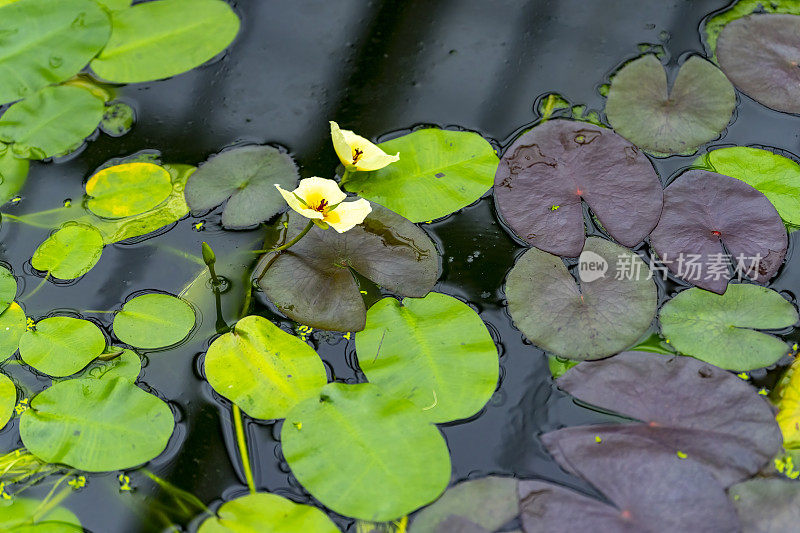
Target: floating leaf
13,172
51,122
246,177
263,369
96,425
114,5
434,351
17,516
788,403
13,324
70,252
61,345
715,24
45,42
559,365
152,321
8,399
118,119
767,505
710,220
312,282
439,172
155,40
128,189
356,432
8,288
547,171
602,317
267,512
127,365
642,109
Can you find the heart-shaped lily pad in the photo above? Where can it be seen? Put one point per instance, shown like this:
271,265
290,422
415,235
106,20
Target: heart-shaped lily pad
718,329
712,223
153,321
666,121
61,345
767,505
25,515
128,189
267,512
70,252
8,288
759,54
601,317
543,176
8,399
311,282
13,324
246,177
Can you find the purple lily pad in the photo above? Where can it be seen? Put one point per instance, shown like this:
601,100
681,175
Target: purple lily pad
543,176
760,55
706,214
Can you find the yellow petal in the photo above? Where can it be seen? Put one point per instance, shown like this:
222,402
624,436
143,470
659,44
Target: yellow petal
343,150
314,190
371,157
297,205
348,214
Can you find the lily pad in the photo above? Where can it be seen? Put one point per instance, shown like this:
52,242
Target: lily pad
641,107
16,516
47,42
711,221
357,432
8,288
434,351
13,324
312,281
719,329
155,40
439,172
767,505
759,54
543,176
128,189
8,399
246,178
788,403
263,369
118,119
263,511
96,425
714,25
601,317
61,345
13,171
154,320
51,122
70,252
127,365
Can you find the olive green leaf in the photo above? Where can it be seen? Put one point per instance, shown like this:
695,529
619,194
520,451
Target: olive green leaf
25,515
267,512
434,351
439,172
70,252
8,399
358,432
155,40
152,321
118,119
13,324
96,425
128,189
60,345
263,369
13,172
8,288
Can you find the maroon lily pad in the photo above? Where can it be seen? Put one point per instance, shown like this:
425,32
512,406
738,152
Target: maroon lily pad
712,223
543,176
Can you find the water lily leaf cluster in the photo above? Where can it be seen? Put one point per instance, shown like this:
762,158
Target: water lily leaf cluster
255,512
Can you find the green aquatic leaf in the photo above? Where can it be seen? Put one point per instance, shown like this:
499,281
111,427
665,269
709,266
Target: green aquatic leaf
51,122
153,321
8,288
96,425
439,172
60,345
267,512
118,119
155,40
13,324
559,365
45,42
114,5
263,369
364,453
127,365
128,189
70,252
8,399
17,516
13,172
434,351
718,329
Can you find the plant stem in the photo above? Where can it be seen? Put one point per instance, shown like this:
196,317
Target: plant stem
23,221
290,243
36,289
242,442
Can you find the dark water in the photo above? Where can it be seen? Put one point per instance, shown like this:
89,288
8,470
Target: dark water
378,67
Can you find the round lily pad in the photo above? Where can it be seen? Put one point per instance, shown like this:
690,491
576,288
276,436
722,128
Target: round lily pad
601,317
152,321
128,189
263,369
718,329
358,432
60,345
434,351
439,172
14,171
666,121
17,516
543,176
8,288
96,425
8,399
267,512
13,324
70,252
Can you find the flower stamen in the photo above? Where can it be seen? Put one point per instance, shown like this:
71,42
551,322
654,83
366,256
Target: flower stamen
357,155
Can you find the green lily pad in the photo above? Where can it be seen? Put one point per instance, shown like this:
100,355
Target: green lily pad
8,399
128,189
45,42
61,345
118,119
155,40
718,329
246,178
559,365
767,505
8,288
114,5
51,122
263,369
70,252
96,425
358,433
267,512
641,108
152,321
127,365
434,351
16,517
601,317
13,324
13,173
439,172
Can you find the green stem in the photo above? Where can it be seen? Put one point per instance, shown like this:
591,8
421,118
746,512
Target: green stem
290,243
23,221
241,440
36,289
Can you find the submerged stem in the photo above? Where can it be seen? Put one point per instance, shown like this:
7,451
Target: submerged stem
36,289
290,243
241,440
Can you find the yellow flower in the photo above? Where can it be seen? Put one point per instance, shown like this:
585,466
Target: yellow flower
322,199
357,153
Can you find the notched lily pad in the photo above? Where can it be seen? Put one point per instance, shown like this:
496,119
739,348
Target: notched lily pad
61,345
153,321
70,252
543,176
267,512
128,189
